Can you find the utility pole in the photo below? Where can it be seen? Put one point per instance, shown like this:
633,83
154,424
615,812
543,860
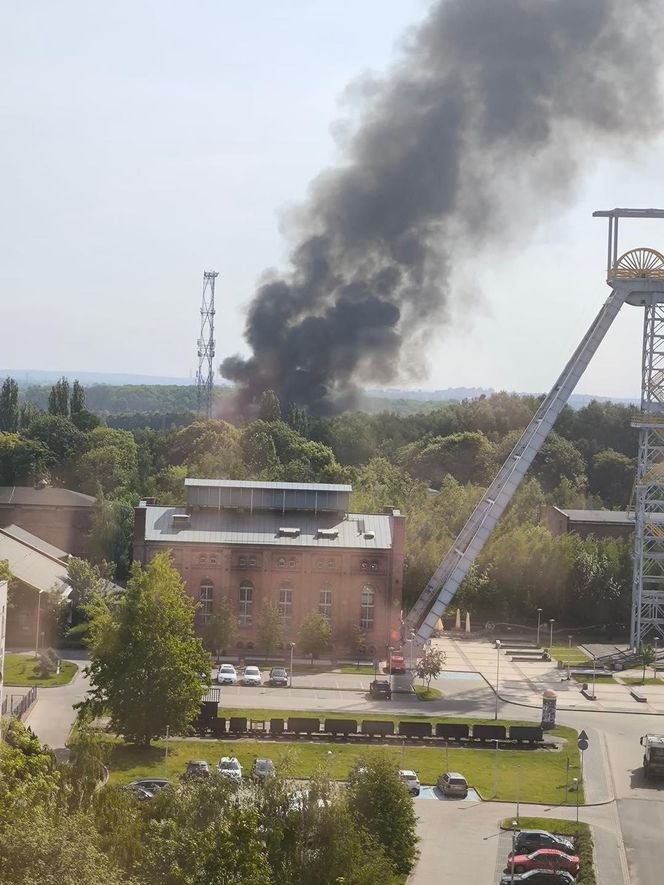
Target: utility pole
206,347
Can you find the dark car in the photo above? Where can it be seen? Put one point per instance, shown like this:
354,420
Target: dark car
197,768
381,689
278,676
539,877
531,840
262,769
151,785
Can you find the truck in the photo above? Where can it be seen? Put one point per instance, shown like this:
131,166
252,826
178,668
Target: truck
653,755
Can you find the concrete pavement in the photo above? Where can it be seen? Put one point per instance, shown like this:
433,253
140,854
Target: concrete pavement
53,716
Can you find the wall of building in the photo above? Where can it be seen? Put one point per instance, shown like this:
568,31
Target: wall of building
65,527
308,573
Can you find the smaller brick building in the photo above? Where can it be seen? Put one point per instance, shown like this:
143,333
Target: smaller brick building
600,523
293,544
61,517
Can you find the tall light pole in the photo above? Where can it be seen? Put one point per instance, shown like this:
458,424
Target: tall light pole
38,614
498,647
594,665
654,663
291,645
552,621
515,824
539,624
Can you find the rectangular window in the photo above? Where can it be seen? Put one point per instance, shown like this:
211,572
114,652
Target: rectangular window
367,609
246,604
205,611
325,602
286,607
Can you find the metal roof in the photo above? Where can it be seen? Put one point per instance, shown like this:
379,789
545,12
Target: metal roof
15,531
32,567
250,484
262,528
619,517
47,496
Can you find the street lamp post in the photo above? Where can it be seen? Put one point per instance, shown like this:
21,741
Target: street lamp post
594,665
552,621
569,640
575,782
539,624
654,663
498,647
515,824
38,614
291,645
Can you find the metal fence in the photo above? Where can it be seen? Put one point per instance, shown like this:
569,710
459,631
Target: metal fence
18,704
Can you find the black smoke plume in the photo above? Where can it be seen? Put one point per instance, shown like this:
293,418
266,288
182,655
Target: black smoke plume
496,105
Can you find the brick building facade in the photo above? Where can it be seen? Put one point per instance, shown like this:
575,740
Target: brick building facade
599,523
61,517
295,545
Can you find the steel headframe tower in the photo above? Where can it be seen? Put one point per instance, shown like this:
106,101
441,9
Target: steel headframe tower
205,374
637,278
646,266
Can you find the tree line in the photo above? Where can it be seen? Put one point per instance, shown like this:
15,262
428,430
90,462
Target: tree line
433,465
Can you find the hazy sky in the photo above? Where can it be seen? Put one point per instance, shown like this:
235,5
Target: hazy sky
143,142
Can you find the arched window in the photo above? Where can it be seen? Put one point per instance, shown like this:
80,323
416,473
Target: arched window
286,606
281,562
325,601
207,600
246,615
367,608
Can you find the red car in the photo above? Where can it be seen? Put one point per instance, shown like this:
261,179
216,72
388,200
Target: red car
397,664
544,859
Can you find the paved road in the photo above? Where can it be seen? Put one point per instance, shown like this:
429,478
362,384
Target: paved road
53,715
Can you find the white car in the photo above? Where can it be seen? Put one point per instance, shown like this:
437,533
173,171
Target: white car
229,767
251,676
227,675
411,781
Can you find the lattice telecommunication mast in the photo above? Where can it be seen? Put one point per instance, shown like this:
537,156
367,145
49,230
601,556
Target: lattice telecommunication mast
205,374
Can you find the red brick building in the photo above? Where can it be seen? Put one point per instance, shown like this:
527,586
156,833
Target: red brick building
61,517
293,544
599,523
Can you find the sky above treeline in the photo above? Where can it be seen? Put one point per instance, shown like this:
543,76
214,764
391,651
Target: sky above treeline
145,142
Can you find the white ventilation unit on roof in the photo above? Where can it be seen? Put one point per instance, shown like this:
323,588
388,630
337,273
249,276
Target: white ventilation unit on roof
329,534
369,536
289,532
181,518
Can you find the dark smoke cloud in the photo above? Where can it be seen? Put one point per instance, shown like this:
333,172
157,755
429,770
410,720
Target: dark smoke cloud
495,105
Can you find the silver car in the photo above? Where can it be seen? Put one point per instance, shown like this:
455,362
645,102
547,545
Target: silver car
453,784
411,781
229,767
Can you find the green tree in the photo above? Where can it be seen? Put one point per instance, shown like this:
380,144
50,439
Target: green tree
112,534
270,628
612,476
77,401
315,635
145,660
9,414
648,655
430,664
269,407
260,455
56,432
29,777
87,578
21,460
58,398
221,629
382,806
468,457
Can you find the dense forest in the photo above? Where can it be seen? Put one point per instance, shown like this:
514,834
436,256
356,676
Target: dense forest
432,464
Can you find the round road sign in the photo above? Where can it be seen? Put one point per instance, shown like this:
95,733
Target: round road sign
582,744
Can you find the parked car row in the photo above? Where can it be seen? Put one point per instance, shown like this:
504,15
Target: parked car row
251,675
541,858
229,767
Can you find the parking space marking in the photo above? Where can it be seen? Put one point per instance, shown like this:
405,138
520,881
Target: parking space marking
435,793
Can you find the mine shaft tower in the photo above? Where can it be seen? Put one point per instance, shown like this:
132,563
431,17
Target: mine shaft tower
635,278
206,347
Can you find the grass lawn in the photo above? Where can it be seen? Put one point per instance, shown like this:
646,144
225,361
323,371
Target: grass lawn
427,694
583,841
636,680
21,670
358,671
573,655
542,774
